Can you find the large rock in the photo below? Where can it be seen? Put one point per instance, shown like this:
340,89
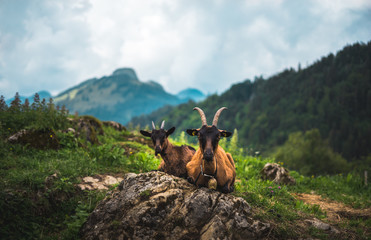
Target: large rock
277,174
39,139
156,205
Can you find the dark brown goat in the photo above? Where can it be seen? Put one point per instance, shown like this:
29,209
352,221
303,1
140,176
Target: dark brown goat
210,161
174,158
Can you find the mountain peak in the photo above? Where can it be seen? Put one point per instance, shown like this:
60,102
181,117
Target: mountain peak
126,71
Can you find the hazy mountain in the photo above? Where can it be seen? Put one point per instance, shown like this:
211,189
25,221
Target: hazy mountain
117,97
42,94
332,95
191,94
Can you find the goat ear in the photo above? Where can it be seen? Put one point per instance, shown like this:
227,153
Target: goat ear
145,133
192,132
224,133
170,131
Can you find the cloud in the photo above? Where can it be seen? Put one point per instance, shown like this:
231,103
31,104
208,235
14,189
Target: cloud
54,45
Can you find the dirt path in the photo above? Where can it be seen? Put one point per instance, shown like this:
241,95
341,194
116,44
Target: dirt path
336,211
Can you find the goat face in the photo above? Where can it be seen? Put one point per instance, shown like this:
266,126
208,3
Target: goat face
158,138
208,138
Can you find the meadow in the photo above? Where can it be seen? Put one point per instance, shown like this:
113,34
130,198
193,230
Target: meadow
39,197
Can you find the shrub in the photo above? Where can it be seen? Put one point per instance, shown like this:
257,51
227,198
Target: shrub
310,154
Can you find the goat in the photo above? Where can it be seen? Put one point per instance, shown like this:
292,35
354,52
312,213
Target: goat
210,161
174,158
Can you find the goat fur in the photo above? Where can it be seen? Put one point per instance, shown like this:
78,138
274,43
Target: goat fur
175,159
223,162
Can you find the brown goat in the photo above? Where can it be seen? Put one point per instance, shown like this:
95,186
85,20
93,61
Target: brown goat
174,158
210,161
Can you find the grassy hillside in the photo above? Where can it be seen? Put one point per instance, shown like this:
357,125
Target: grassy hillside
40,197
332,95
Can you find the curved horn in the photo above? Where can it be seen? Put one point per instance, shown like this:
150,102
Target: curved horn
153,126
216,117
162,124
202,115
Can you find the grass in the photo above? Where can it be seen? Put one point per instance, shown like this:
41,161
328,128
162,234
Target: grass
49,209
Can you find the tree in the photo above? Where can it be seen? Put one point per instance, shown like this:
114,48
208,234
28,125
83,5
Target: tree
3,106
309,154
16,103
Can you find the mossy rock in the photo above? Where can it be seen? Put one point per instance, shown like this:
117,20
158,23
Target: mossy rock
115,125
94,122
87,128
39,139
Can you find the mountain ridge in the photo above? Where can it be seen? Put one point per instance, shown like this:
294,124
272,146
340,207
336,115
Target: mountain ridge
117,97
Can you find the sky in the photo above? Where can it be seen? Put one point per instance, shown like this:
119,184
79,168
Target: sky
54,45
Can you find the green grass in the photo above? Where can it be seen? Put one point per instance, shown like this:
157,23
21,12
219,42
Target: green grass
48,211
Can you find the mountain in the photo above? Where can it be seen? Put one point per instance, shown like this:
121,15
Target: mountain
42,94
191,94
332,95
117,97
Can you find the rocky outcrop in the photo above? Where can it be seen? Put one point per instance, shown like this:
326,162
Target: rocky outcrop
156,205
87,128
39,139
276,173
115,125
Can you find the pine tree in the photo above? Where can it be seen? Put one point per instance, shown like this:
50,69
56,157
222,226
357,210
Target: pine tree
26,104
36,101
3,106
16,103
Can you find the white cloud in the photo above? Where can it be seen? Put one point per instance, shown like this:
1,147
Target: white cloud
54,45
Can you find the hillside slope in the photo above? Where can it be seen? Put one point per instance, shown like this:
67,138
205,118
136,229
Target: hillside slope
117,97
333,95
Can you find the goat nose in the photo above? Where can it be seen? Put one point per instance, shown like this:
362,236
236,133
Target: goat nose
208,155
157,150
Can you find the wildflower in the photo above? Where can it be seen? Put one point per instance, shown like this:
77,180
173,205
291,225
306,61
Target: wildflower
51,136
131,152
272,191
279,187
312,176
270,187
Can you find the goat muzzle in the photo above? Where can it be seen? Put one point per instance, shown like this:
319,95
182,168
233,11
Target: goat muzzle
157,150
208,155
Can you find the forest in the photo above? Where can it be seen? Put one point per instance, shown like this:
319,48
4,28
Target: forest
331,97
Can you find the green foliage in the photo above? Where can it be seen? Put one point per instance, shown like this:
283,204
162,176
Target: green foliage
32,207
142,162
67,140
310,154
40,116
108,154
349,188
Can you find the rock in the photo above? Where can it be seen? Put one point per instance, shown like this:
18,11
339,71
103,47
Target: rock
99,182
71,130
49,180
117,126
277,174
88,128
321,225
156,205
39,139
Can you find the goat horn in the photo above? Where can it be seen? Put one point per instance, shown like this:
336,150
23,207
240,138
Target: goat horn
153,126
202,115
163,124
216,117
